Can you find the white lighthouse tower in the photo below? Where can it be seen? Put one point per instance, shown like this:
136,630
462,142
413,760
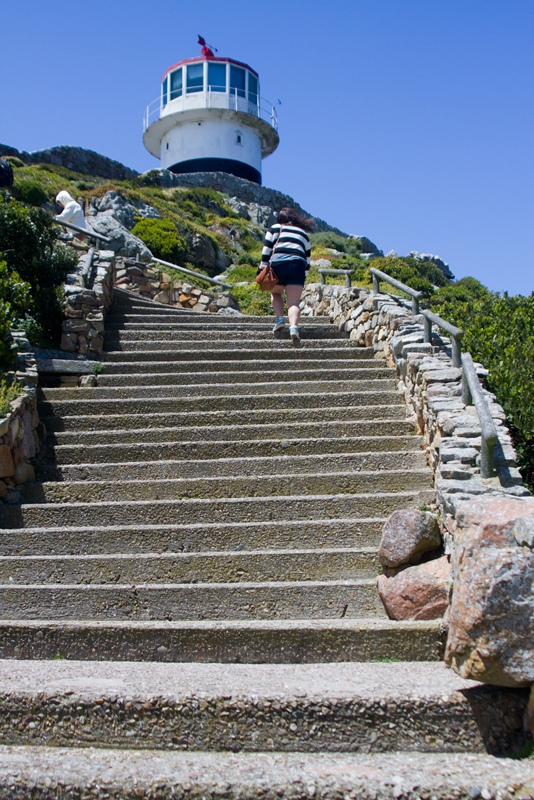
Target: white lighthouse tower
210,117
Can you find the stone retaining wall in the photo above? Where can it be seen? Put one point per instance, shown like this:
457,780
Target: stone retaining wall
487,525
432,389
86,308
154,284
20,429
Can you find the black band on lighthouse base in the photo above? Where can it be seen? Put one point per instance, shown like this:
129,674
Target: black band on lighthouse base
237,168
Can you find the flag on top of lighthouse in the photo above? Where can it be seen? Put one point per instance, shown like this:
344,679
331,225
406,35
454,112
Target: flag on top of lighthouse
207,50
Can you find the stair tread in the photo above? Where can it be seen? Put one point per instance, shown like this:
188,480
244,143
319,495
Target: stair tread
108,771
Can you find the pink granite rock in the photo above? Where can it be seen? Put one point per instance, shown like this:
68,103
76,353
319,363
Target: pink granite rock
406,536
491,617
419,592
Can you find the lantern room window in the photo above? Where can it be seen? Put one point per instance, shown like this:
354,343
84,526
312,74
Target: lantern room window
252,89
195,78
176,84
217,77
164,92
237,81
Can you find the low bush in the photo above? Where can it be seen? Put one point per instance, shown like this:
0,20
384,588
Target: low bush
336,242
10,389
162,239
30,191
14,161
30,246
499,332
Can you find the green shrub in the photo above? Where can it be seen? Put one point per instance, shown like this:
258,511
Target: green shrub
14,161
162,239
9,391
248,258
29,242
253,301
399,269
30,191
336,242
499,332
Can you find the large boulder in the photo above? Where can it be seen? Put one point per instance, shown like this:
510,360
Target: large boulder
491,617
419,592
367,245
264,216
125,211
122,242
406,536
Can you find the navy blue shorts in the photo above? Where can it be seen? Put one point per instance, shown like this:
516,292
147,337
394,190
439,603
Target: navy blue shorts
290,272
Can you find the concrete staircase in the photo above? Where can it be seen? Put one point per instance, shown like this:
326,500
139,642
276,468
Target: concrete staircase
217,502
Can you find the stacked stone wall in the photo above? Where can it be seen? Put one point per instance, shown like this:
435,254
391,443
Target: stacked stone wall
86,308
154,284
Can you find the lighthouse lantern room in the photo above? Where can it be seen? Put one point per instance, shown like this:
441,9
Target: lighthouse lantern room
210,117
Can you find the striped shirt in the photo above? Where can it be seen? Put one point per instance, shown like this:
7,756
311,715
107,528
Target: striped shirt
293,243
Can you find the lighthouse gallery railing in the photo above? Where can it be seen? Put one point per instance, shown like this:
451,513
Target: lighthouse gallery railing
212,98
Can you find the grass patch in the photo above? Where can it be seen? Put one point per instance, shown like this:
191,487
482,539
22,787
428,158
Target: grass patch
10,389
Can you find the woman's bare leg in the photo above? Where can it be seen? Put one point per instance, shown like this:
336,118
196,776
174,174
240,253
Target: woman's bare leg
293,295
277,300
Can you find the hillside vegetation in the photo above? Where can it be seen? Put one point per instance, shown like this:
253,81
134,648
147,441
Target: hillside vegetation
200,229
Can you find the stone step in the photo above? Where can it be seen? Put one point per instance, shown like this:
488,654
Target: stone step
267,351
311,708
164,386
213,445
356,598
257,465
296,378
262,403
227,325
350,483
199,537
58,772
242,509
207,641
209,332
160,343
251,566
319,421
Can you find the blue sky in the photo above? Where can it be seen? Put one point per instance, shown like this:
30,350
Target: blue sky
408,121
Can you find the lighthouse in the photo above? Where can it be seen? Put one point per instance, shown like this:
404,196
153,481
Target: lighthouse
210,117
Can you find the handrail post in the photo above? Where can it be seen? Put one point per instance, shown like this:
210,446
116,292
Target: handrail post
472,391
456,350
376,284
467,398
427,325
347,281
323,278
415,306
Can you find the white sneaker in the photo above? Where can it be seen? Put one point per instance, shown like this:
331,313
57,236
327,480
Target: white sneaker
294,332
280,324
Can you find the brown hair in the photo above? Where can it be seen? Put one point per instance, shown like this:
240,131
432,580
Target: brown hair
291,216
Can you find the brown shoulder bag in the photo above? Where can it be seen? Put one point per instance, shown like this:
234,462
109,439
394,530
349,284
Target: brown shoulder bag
266,279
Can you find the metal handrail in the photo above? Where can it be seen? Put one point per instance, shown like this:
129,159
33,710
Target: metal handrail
471,387
346,272
86,231
233,103
190,272
472,392
381,276
455,333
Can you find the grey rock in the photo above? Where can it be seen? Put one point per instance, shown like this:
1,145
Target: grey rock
406,536
524,531
122,242
262,215
125,212
367,245
238,207
392,254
